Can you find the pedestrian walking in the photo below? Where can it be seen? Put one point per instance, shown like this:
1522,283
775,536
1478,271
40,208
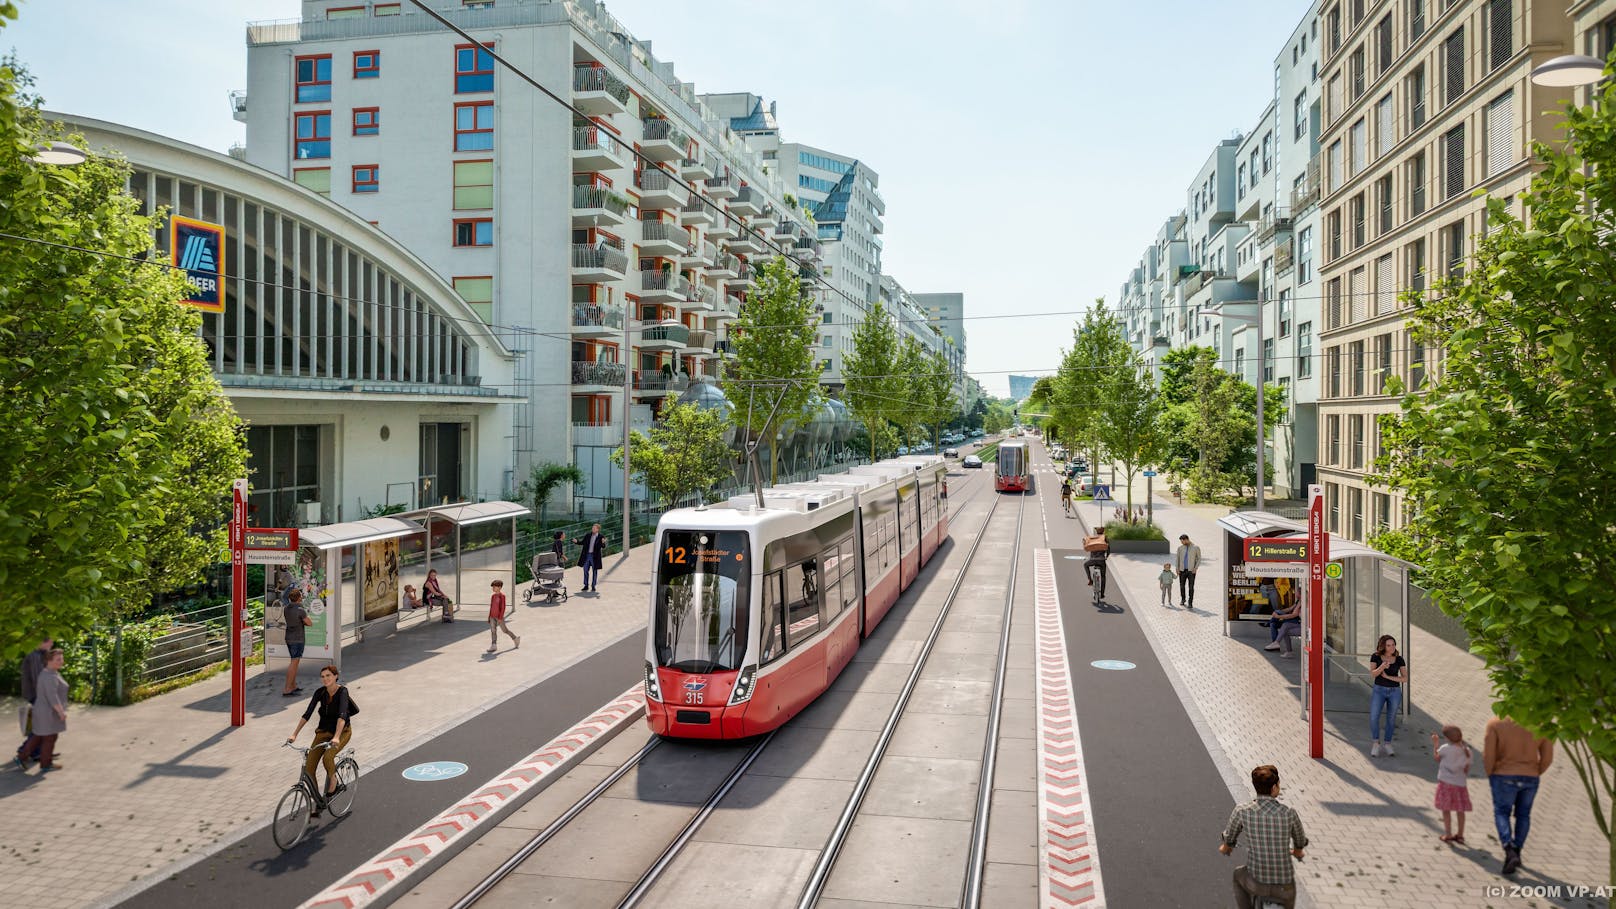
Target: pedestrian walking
32,665
1515,761
295,618
432,590
1274,838
496,618
1188,561
592,557
50,714
1165,579
1389,671
1452,780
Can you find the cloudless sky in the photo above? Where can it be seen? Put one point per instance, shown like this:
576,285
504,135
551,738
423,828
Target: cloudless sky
1028,149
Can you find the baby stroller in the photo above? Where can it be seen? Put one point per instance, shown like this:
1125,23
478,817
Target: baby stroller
549,578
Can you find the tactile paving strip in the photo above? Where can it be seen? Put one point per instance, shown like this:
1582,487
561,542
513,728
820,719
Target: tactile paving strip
1069,869
374,881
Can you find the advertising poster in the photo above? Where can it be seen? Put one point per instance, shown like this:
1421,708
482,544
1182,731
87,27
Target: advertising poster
1335,615
197,248
307,574
381,579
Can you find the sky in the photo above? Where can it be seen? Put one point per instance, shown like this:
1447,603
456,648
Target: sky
1028,149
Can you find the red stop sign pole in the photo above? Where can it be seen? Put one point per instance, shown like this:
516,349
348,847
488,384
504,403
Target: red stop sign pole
1318,543
238,603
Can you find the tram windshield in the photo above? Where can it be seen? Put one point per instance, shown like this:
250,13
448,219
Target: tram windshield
703,578
1012,460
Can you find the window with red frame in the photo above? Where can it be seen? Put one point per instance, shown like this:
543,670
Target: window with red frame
313,78
367,121
474,232
474,69
367,64
366,178
313,131
474,126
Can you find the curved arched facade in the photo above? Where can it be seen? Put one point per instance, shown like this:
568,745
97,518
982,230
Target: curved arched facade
364,378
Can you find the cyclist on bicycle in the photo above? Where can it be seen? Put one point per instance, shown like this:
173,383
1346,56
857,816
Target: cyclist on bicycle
332,700
1066,496
1098,549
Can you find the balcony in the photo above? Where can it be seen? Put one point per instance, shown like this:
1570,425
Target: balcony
664,337
722,187
700,167
723,228
745,280
238,105
746,241
700,256
597,376
788,231
660,383
768,217
597,92
594,206
728,308
1275,220
663,238
747,203
598,435
806,249
697,213
597,320
725,266
700,343
663,287
596,262
702,299
1308,193
594,150
1284,255
662,141
659,190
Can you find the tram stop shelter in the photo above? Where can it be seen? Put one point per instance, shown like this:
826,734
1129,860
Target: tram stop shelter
1367,593
470,545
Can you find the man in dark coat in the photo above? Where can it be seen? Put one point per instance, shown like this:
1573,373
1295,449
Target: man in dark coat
592,557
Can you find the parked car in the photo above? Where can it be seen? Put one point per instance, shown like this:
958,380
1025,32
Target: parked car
977,433
971,461
954,452
904,449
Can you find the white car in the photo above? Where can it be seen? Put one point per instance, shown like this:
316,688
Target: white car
971,461
954,452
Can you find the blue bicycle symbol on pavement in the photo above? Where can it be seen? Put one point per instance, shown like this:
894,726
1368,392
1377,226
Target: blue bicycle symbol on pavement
434,771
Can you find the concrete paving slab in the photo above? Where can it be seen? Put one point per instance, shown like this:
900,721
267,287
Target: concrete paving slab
1008,884
754,810
939,735
619,840
681,773
952,641
866,869
771,876
556,798
951,696
872,677
923,788
838,709
528,890
1013,836
830,754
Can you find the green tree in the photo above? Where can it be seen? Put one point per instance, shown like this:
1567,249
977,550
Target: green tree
911,411
774,373
685,453
1209,423
1130,418
1098,350
1508,462
870,371
934,395
544,480
997,418
118,447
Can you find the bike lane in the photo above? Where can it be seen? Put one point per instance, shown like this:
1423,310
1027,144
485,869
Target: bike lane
253,872
1157,801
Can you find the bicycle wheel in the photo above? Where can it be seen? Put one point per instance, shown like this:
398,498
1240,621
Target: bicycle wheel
347,776
291,817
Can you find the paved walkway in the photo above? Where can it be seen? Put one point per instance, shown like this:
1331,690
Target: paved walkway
1373,829
152,787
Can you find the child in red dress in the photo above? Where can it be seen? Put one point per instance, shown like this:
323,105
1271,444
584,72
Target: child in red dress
1452,770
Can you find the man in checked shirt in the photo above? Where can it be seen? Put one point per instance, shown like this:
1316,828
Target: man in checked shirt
1274,834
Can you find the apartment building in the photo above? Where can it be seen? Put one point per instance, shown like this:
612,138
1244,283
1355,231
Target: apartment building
1594,22
1425,103
566,243
913,319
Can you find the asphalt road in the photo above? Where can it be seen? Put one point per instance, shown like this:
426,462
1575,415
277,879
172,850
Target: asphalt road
253,872
1158,801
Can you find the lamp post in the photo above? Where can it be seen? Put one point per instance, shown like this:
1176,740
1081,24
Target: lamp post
628,399
58,153
1262,434
1569,71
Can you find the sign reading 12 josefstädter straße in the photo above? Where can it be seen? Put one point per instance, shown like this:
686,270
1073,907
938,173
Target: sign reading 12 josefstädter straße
197,248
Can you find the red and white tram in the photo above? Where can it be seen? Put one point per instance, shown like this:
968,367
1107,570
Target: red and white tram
1012,467
755,611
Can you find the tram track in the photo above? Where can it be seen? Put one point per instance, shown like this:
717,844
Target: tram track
647,881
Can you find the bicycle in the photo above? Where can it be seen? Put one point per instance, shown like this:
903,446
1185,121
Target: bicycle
1066,505
292,814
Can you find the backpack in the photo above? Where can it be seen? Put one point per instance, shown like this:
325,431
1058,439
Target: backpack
353,707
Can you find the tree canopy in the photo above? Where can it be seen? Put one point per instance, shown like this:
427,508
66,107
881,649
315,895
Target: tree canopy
543,481
685,452
774,373
870,373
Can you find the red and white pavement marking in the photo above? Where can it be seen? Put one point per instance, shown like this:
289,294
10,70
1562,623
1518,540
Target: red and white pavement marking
393,865
1069,869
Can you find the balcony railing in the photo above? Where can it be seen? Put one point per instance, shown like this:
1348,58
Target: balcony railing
599,256
594,315
1308,193
701,293
727,262
590,138
1284,255
720,183
1272,222
660,382
597,373
655,179
598,197
653,231
598,79
657,128
676,333
664,280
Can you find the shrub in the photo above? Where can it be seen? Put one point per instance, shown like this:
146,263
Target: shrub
1123,530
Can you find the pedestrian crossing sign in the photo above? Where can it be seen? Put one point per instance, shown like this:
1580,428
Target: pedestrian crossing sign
1102,493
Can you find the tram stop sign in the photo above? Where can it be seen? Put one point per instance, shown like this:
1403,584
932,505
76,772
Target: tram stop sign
1276,549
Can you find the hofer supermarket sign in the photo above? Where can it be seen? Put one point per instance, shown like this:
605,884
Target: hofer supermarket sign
197,248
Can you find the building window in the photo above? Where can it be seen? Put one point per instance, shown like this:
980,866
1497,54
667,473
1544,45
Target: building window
1304,256
1414,257
1499,126
1304,350
1332,298
344,12
313,76
1333,94
1332,228
1453,175
1500,25
313,131
1416,362
314,179
1383,45
1332,28
474,232
1267,156
1385,285
1355,501
1383,200
473,185
367,64
1359,135
1332,443
474,126
1416,20
1385,128
366,178
1355,431
1337,165
1416,97
1453,248
1453,75
1332,495
385,9
1355,72
478,292
367,121
1332,359
1355,209
1359,364
474,69
1416,184
1268,360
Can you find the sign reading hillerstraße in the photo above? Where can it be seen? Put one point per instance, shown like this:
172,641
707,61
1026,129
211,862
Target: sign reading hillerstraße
1276,549
197,248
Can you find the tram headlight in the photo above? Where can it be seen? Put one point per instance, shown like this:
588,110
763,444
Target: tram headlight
742,692
653,692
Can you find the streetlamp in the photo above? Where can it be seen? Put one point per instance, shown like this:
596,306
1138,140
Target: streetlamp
1569,71
1262,434
628,402
58,153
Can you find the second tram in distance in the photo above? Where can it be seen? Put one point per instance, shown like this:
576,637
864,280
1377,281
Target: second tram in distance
755,611
1012,467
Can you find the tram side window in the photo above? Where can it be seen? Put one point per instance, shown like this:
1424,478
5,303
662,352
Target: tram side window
850,591
830,583
772,633
802,601
889,538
